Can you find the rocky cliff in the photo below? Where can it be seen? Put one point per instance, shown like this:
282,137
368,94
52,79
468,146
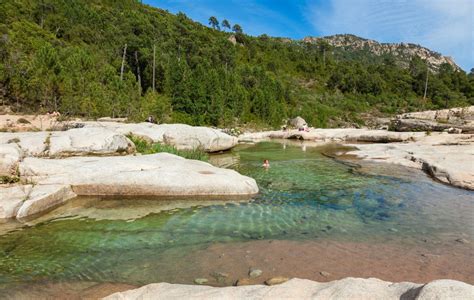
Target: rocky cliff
402,52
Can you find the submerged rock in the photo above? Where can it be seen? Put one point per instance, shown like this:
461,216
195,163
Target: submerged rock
276,280
200,280
243,281
347,288
254,273
325,274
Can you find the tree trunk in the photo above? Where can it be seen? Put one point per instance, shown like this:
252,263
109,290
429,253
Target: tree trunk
426,84
138,74
154,67
123,62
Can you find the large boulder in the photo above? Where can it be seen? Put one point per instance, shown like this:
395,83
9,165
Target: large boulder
159,174
347,288
180,136
72,142
298,122
84,141
31,143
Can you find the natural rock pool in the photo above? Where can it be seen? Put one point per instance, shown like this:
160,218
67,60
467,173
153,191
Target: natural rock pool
314,218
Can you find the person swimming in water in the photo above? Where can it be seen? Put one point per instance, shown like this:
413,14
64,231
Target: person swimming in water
266,163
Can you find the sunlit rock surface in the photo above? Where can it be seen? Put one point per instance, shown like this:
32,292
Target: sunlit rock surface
347,288
180,136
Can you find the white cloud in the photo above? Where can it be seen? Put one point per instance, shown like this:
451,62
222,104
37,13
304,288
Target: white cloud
445,26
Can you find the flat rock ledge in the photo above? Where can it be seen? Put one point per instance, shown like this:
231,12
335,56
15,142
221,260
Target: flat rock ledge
335,135
181,136
54,181
347,288
446,157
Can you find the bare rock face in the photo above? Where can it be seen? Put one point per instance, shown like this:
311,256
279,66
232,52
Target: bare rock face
454,119
82,141
85,141
180,136
402,52
335,135
55,181
348,288
159,174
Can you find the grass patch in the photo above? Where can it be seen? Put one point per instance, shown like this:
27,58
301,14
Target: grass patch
145,147
9,179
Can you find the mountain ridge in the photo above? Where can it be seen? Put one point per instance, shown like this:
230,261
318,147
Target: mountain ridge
403,51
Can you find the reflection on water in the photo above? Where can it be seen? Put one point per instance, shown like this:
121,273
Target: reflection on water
304,196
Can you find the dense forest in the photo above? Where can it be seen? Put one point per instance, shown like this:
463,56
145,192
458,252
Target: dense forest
125,59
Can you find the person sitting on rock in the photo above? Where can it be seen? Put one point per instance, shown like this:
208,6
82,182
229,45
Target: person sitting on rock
150,119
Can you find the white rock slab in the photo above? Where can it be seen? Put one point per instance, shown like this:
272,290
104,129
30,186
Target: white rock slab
11,199
179,135
43,198
159,174
347,288
84,141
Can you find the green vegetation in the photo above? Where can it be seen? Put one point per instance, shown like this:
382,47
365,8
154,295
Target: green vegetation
145,147
95,58
9,179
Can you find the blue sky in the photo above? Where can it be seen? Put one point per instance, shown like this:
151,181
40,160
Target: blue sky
446,26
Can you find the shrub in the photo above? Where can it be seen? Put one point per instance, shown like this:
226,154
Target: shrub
145,147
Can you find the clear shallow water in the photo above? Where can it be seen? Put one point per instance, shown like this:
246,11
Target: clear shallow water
304,196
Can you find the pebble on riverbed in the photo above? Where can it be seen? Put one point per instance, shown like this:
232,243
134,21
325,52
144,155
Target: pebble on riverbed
325,274
254,273
276,280
243,281
200,280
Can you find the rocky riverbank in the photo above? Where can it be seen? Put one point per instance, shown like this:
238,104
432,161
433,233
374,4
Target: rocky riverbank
445,156
348,288
47,168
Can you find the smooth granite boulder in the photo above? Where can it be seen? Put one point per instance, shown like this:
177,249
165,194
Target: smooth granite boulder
347,288
180,136
159,174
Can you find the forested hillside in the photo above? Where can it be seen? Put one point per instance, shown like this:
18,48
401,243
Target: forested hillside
68,55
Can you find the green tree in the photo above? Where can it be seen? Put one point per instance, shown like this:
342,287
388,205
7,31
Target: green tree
225,24
237,28
214,23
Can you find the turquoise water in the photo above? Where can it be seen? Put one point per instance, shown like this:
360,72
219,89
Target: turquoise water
303,196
